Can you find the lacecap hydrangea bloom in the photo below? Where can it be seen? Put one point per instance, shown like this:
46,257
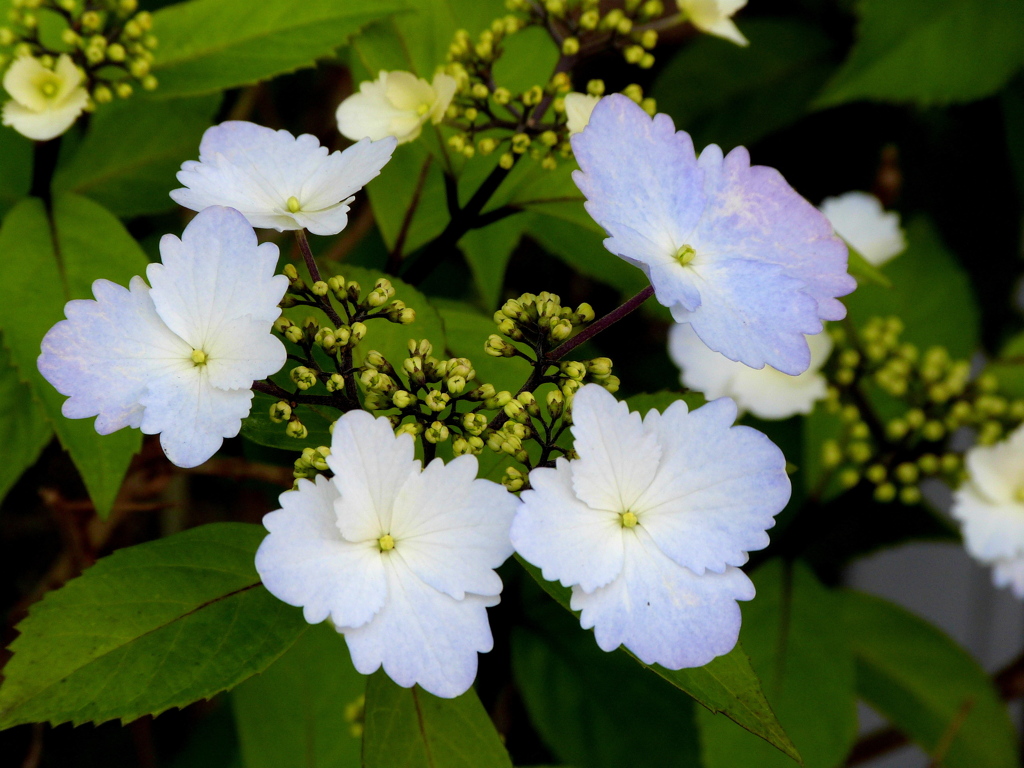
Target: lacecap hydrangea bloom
858,218
396,104
44,102
764,392
990,508
277,180
650,524
179,358
400,560
729,248
715,17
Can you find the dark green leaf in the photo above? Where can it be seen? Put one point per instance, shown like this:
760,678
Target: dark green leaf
23,425
410,728
45,272
258,427
15,166
928,687
1009,367
128,159
211,45
659,401
300,709
724,94
487,251
801,654
151,627
865,271
930,51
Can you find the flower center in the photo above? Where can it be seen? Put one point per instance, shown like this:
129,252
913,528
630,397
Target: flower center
293,204
422,109
1018,495
685,255
628,520
386,543
49,89
199,357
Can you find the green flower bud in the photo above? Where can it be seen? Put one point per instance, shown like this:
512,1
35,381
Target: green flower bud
296,429
933,430
497,347
303,377
910,495
907,473
573,369
436,433
831,454
280,412
929,463
885,493
570,46
876,473
436,400
649,39
411,428
848,478
859,452
335,383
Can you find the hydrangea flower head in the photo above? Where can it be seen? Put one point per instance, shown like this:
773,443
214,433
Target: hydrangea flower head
401,560
858,218
730,248
396,104
578,109
177,359
990,508
650,525
44,102
765,392
715,17
279,181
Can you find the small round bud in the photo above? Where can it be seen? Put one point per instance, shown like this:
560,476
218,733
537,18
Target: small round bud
570,46
910,495
280,412
848,478
296,429
335,383
907,473
649,39
319,288
436,433
876,473
595,87
885,493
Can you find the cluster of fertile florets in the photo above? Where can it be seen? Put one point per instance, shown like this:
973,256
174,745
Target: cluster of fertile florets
935,396
109,40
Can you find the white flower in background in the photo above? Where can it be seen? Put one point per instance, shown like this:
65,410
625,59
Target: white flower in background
177,359
990,508
44,102
578,108
395,104
715,17
766,393
858,218
729,248
401,560
277,180
650,525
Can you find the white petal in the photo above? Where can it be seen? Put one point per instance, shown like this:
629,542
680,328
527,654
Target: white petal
717,490
1010,573
997,471
305,562
452,529
569,541
191,415
372,112
990,531
618,458
858,217
578,108
370,465
444,87
49,123
422,636
662,612
21,82
107,351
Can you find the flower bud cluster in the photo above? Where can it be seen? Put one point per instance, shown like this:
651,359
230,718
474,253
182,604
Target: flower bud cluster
111,41
311,462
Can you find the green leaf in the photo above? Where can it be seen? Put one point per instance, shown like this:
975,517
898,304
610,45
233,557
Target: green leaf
151,627
23,425
865,271
128,159
596,709
802,656
45,270
258,427
410,728
1008,368
724,94
728,685
928,687
659,401
298,709
212,45
15,166
487,251
930,51
467,330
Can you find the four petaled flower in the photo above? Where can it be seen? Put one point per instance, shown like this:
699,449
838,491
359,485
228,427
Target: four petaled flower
279,181
44,102
650,525
401,560
730,248
396,104
858,218
177,359
715,17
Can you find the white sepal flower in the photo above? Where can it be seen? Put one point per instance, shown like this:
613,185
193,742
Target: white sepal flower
395,104
766,392
578,108
990,508
44,102
401,560
715,17
277,180
858,218
177,359
650,525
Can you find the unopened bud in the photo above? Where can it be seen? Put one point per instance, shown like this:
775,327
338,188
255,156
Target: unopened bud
280,412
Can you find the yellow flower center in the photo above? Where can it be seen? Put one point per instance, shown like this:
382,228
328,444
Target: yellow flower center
199,357
386,543
685,255
628,520
422,109
1019,494
293,204
49,89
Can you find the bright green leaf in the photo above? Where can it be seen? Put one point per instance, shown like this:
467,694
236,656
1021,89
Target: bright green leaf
212,45
298,710
659,401
928,687
801,654
930,51
410,728
151,627
487,251
43,274
128,159
865,271
23,425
